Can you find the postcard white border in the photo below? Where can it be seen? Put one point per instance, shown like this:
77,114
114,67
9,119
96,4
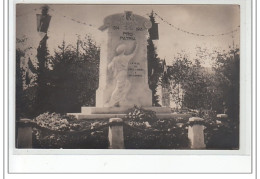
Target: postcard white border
170,161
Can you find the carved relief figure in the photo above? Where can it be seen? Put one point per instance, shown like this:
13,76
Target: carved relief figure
119,67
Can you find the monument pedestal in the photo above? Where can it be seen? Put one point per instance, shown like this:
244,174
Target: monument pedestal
120,112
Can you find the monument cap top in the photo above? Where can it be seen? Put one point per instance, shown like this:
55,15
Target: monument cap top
115,120
196,119
222,115
121,18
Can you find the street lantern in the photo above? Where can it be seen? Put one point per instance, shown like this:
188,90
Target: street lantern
43,20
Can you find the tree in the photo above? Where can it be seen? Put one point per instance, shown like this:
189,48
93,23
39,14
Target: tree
179,75
19,83
25,90
42,102
195,87
90,69
215,89
61,83
227,81
154,66
74,76
190,83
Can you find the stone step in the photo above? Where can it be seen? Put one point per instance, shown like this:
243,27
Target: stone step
96,116
108,116
120,110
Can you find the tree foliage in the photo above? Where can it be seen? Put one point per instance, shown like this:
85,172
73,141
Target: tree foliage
227,70
74,77
19,85
42,103
179,74
154,67
64,82
197,87
25,97
189,83
212,90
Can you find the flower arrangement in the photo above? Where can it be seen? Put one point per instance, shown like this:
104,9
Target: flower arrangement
137,116
153,133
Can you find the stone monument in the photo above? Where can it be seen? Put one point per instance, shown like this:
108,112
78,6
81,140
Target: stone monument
123,69
123,77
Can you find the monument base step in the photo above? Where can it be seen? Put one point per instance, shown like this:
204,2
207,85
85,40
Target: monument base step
96,116
108,116
120,110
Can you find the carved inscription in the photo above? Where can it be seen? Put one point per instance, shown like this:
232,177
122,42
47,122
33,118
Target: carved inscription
135,70
127,36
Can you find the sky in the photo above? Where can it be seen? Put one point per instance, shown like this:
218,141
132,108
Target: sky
201,19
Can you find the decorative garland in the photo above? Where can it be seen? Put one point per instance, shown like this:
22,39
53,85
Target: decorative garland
197,34
162,19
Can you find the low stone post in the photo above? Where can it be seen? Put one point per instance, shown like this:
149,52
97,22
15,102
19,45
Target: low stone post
196,133
222,119
115,134
24,134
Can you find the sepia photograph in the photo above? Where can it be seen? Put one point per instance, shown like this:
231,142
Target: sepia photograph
129,76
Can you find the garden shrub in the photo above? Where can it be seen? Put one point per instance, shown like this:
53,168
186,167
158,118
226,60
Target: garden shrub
142,130
55,121
63,131
145,131
221,135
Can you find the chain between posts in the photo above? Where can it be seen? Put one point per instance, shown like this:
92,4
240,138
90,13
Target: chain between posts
125,125
149,130
35,125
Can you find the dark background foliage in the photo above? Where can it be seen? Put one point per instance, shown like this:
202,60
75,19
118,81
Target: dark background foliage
63,83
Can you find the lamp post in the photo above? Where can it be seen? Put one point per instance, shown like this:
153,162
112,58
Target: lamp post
43,21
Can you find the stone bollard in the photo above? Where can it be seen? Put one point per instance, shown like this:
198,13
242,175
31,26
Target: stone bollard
222,119
196,133
24,134
115,134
